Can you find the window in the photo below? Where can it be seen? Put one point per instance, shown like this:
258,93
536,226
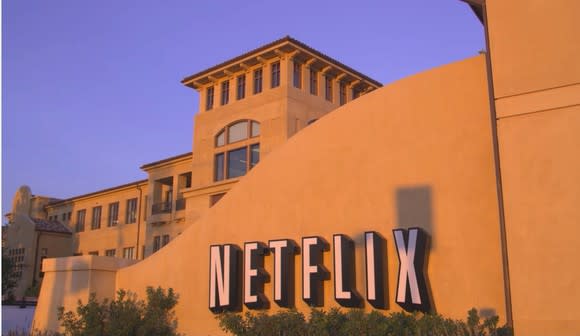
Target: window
16,255
275,67
241,87
94,253
213,199
80,226
297,75
68,215
110,253
219,167
328,88
63,217
131,215
238,132
225,92
96,222
257,81
165,240
236,161
156,243
313,82
113,214
128,252
209,98
342,93
254,155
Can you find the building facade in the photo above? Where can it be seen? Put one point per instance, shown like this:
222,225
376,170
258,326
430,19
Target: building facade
249,106
454,188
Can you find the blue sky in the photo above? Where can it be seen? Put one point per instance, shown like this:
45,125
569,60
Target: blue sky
91,89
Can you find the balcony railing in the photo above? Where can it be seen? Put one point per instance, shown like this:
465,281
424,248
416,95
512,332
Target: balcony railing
163,207
180,204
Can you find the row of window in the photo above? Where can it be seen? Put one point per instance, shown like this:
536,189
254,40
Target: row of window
128,253
112,220
64,217
241,86
328,85
275,82
16,256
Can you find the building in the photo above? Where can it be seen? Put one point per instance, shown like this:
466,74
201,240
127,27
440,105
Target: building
450,189
249,106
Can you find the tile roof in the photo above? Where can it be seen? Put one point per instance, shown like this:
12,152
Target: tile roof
50,226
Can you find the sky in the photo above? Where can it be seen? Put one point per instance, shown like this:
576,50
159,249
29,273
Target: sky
91,89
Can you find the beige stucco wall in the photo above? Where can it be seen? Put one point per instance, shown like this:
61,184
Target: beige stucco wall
68,280
535,58
400,156
115,237
21,233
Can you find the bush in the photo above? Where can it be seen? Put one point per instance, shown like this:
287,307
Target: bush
357,322
123,316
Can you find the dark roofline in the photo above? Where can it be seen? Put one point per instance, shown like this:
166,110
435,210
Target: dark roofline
176,157
477,8
135,183
272,44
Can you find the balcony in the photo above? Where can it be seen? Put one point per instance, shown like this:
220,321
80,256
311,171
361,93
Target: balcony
180,204
159,208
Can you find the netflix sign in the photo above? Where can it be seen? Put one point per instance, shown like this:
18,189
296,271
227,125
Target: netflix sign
238,276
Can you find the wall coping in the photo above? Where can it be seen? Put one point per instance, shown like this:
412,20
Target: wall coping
85,263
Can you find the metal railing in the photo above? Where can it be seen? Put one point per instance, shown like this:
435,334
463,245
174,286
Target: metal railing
163,207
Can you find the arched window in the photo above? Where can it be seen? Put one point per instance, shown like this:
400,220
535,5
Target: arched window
237,149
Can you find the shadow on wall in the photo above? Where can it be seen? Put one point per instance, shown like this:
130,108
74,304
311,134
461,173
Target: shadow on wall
55,286
414,209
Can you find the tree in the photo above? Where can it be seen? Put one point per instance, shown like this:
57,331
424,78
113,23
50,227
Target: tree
9,277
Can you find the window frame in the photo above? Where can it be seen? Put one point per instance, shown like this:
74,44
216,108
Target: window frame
81,218
241,87
129,252
297,74
225,92
156,243
113,220
342,93
131,214
258,80
275,74
328,87
222,152
96,217
111,253
313,82
209,95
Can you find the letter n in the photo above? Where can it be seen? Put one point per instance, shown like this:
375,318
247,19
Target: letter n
224,277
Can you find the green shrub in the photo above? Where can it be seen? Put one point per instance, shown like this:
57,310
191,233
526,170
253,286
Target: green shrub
123,316
356,322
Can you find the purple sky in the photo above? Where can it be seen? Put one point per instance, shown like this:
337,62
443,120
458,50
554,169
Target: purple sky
91,89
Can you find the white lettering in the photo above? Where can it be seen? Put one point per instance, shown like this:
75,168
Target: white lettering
220,275
407,267
340,293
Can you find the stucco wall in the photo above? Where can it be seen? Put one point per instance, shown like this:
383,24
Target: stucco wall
536,71
415,153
